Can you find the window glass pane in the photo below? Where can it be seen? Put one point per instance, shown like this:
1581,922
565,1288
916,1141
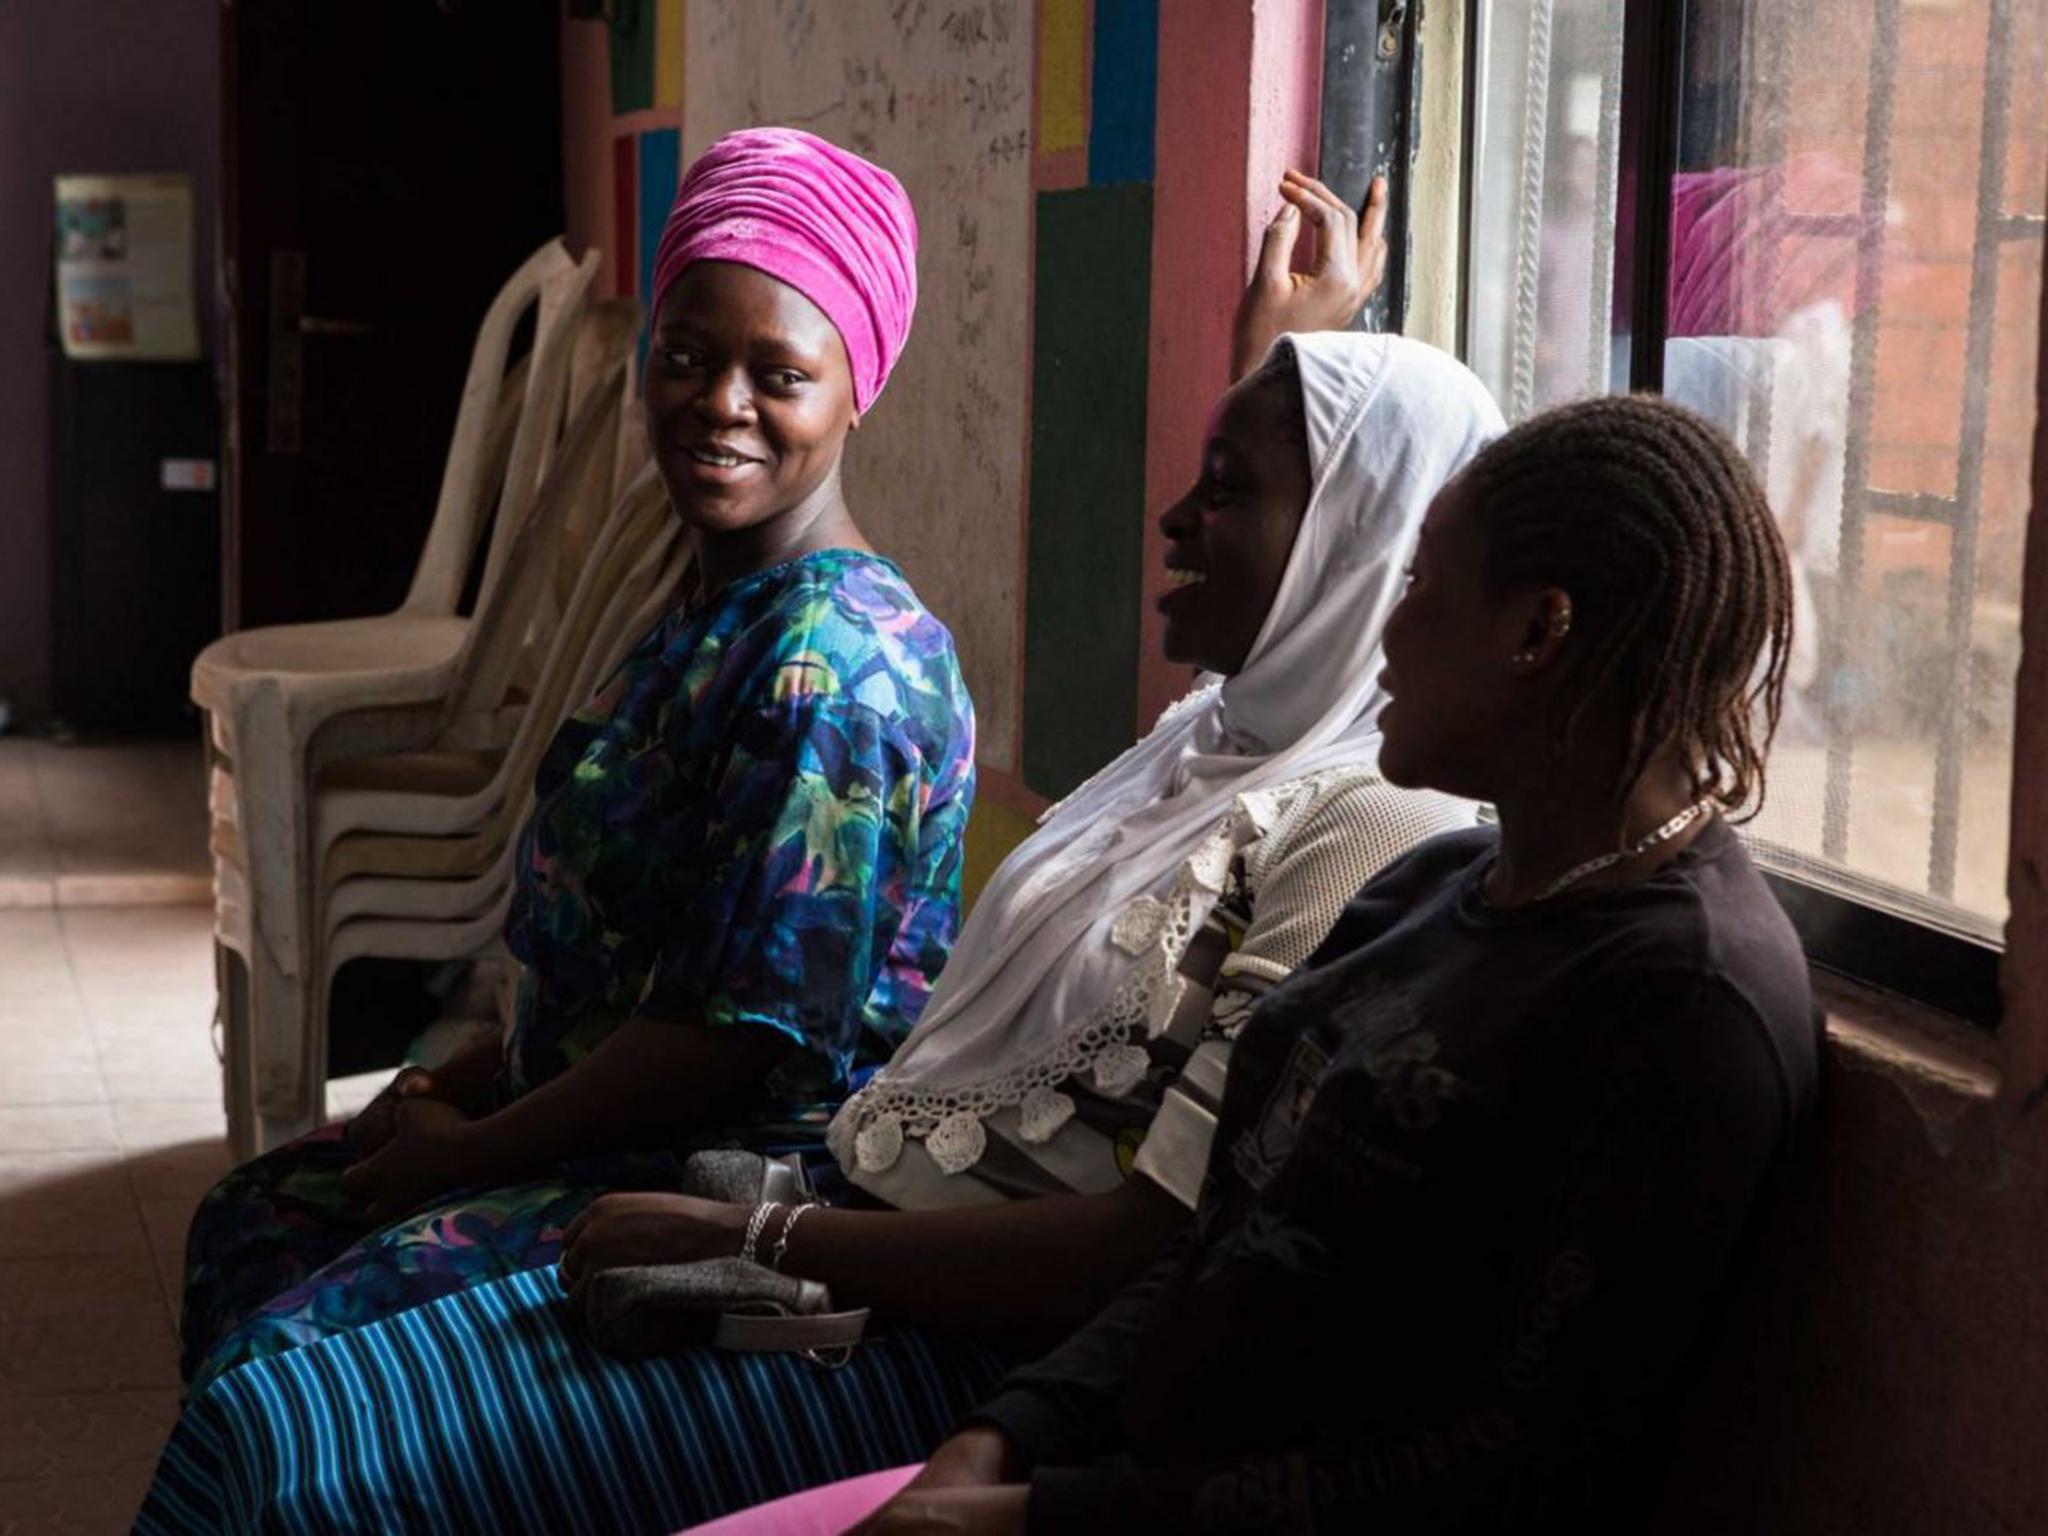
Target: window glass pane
1546,130
1854,295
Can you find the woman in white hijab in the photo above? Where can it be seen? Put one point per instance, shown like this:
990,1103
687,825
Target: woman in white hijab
1071,1050
1075,1045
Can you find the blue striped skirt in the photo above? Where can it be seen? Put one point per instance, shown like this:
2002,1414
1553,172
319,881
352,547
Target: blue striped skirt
489,1410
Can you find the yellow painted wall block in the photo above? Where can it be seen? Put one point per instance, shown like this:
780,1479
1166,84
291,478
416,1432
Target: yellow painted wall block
1062,69
668,54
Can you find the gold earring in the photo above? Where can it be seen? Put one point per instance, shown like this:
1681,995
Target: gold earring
1561,623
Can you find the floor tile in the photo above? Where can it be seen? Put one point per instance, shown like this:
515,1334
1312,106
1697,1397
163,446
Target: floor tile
91,792
186,1171
47,1175
170,1274
137,888
33,961
165,1221
75,1224
57,1128
195,1079
79,1434
147,926
106,989
28,1010
42,1039
101,1505
49,1082
168,1005
151,1021
28,860
139,950
32,1289
129,1350
21,805
147,1125
124,1044
20,891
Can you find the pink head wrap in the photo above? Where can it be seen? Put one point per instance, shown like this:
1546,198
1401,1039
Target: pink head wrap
834,227
1752,245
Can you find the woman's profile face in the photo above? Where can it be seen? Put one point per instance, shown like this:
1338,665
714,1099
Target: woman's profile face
749,397
1229,537
1454,700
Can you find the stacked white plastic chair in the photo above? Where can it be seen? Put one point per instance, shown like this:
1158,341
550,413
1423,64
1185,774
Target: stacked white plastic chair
441,891
284,702
415,851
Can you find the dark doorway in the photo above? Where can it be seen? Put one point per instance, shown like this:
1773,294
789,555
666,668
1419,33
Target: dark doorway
388,164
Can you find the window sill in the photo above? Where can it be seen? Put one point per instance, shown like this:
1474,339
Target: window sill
1889,1033
1946,1069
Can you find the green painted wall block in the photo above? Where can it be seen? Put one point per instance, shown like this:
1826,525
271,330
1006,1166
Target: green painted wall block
1092,322
632,29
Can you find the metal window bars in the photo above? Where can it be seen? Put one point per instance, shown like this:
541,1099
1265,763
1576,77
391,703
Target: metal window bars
1961,511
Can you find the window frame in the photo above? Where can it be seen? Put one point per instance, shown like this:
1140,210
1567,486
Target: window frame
1368,123
1918,958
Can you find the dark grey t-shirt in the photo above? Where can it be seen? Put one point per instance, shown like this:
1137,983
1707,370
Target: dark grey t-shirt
1477,1183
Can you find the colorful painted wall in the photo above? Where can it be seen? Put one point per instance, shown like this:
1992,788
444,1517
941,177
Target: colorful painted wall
1886,1366
1085,233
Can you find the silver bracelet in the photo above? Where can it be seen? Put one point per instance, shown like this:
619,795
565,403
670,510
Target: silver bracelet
755,1223
788,1226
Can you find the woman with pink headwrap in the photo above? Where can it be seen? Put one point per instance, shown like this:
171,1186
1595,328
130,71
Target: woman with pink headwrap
741,873
1286,552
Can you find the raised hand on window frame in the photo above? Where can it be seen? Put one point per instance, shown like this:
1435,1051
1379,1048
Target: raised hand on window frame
1350,260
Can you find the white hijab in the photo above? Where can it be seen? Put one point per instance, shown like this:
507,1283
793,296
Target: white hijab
1389,422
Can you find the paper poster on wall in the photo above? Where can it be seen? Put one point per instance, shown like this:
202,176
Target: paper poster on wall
124,267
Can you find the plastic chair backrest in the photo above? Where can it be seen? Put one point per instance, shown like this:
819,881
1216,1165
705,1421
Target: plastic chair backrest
616,587
633,450
629,526
540,419
606,337
610,329
505,608
474,468
626,611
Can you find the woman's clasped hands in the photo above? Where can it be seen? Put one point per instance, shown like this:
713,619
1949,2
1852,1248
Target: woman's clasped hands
424,1147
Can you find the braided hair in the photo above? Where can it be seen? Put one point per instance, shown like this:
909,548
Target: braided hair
1653,523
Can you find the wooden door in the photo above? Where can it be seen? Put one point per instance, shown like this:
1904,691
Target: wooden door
388,163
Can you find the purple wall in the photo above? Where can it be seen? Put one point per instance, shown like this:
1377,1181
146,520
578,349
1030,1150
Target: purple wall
93,87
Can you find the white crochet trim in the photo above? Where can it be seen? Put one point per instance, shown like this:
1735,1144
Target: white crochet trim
867,1134
1042,1113
868,1131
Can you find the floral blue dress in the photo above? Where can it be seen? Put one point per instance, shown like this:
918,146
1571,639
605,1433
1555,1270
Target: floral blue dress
757,823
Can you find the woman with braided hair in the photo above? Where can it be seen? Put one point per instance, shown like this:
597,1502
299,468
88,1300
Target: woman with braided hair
1634,526
1483,1161
1044,1139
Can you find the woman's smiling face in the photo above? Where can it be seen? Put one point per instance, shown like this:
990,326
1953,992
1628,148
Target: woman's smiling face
749,397
1229,538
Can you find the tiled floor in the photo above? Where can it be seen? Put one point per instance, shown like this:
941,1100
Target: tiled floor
110,1119
101,824
110,1128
